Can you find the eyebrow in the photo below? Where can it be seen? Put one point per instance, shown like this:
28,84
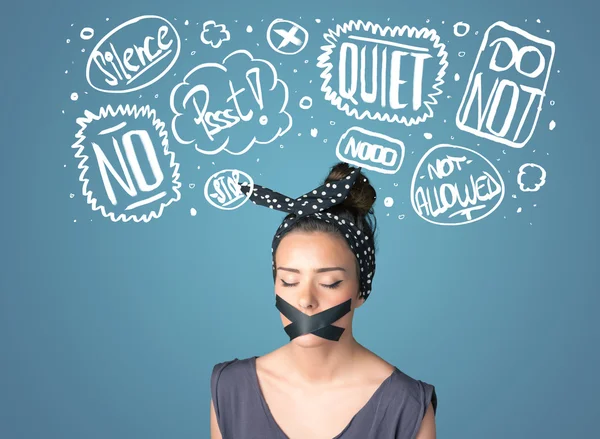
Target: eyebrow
316,270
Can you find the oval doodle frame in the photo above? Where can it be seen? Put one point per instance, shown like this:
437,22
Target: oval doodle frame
117,29
416,173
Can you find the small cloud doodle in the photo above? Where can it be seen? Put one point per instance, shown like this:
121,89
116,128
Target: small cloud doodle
534,176
214,34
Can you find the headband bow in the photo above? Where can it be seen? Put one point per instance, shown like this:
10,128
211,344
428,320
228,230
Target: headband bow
316,203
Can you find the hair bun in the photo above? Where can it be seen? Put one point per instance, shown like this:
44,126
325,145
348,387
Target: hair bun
362,195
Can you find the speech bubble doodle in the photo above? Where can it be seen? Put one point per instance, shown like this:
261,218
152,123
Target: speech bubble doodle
506,52
291,37
214,34
123,62
226,194
390,74
230,106
540,181
127,170
453,182
374,151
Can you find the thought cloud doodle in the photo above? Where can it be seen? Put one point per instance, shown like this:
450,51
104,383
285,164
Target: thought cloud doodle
370,150
133,55
230,106
453,185
127,169
507,86
214,34
390,74
222,190
286,37
533,174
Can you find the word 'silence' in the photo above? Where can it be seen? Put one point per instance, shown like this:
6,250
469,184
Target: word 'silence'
123,61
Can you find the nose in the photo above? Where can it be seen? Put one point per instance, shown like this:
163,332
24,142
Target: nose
307,300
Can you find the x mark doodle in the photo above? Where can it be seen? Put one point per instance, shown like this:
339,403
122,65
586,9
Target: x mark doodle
288,37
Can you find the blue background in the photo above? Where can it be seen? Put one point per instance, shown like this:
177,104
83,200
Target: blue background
111,330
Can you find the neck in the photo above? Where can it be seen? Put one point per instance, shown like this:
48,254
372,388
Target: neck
328,363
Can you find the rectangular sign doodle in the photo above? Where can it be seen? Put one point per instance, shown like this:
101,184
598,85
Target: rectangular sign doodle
506,88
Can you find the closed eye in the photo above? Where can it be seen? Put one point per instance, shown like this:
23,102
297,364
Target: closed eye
331,286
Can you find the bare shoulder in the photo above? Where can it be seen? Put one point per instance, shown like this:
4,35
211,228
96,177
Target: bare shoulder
374,367
272,366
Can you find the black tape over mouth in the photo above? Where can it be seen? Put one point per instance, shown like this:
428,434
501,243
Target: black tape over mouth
319,324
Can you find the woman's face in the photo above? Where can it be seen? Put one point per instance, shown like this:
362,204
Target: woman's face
316,271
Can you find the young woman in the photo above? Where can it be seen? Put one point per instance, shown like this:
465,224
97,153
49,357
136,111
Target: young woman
323,384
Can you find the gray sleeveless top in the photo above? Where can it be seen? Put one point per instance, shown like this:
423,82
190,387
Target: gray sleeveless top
395,410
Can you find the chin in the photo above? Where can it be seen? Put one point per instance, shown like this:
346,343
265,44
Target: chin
310,340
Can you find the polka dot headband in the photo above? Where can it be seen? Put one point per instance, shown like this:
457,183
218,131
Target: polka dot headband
315,203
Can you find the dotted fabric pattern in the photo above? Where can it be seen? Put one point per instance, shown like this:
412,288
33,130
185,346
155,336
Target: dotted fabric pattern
315,203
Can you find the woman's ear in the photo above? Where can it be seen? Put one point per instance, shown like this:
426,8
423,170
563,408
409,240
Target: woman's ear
359,301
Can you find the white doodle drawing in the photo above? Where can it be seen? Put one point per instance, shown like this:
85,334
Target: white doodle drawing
222,190
314,132
461,29
388,202
291,37
453,185
374,151
123,62
485,95
230,106
113,146
214,34
362,73
552,125
87,33
305,102
526,169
